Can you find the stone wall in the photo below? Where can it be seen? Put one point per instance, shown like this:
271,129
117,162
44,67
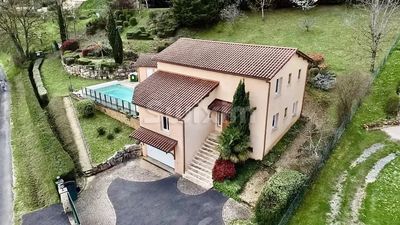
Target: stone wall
95,72
122,117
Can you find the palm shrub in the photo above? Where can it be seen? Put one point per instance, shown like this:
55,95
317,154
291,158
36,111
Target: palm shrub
86,108
234,141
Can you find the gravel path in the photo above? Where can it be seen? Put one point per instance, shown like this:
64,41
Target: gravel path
361,191
84,158
366,154
336,201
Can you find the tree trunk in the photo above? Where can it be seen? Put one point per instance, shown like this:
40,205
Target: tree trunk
373,60
18,46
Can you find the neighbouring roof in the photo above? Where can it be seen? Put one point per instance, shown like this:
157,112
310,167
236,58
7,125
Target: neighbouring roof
154,139
259,61
172,94
145,60
219,105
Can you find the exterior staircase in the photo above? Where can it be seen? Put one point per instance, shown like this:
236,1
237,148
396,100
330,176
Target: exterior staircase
200,169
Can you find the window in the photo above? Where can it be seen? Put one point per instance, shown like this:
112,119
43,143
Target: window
219,119
165,123
285,112
278,86
299,75
275,120
295,104
290,78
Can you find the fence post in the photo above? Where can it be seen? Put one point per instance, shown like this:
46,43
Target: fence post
123,108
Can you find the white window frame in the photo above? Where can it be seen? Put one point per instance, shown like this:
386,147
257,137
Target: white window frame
278,86
275,121
219,119
295,106
165,123
289,78
299,74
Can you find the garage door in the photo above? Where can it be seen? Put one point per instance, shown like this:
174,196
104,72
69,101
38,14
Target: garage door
159,155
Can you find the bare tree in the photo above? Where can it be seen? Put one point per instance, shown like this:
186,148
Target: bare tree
230,13
350,90
263,5
18,20
306,5
381,13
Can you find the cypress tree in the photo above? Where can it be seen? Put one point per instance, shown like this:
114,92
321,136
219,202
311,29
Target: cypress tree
111,29
118,49
61,21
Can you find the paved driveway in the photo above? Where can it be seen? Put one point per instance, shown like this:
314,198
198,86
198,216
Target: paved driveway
6,196
51,215
160,202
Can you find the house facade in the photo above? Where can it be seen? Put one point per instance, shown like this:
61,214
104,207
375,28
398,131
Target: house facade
186,102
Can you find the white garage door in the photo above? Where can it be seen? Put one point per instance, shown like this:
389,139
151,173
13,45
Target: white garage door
159,155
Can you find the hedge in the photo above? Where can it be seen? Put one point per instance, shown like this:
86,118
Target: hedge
37,79
277,195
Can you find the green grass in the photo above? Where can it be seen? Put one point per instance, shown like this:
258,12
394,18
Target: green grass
384,195
333,34
56,80
38,157
355,139
91,6
100,147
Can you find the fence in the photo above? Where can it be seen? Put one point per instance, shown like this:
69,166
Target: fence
327,149
111,102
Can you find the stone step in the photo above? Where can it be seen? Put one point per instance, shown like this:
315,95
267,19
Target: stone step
213,151
207,153
200,172
206,164
207,170
211,146
212,141
204,159
199,177
197,181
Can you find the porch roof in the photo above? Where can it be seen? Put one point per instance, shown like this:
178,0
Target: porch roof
154,139
222,106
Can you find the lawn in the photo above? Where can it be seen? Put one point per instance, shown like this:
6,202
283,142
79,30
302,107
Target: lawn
100,147
380,201
56,80
38,157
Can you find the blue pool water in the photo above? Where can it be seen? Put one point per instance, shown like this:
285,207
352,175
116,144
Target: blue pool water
117,91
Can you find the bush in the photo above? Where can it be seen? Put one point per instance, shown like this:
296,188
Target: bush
101,131
392,105
233,145
117,130
196,13
133,22
110,136
223,169
126,24
163,23
318,58
119,22
139,34
69,61
70,45
83,61
86,108
277,195
313,72
96,24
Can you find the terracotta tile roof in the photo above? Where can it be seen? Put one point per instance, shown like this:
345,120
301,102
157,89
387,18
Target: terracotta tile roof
259,61
145,60
219,105
154,139
172,94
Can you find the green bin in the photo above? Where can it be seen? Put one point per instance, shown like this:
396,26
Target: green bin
133,77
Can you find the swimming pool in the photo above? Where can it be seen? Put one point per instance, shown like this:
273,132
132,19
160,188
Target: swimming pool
117,91
112,95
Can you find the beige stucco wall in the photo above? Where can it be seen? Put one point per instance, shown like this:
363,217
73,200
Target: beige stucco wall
142,72
227,86
198,125
290,93
152,120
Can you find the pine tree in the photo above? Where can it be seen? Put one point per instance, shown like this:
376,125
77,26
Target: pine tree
118,49
61,21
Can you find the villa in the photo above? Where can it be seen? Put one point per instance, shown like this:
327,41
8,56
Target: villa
185,94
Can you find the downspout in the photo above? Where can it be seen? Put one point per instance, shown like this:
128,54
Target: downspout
184,147
266,117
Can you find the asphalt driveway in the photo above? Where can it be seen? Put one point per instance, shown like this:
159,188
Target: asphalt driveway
160,202
51,215
6,195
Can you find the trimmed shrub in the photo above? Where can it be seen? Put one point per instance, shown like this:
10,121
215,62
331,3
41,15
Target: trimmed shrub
70,45
392,105
117,130
277,195
163,23
119,22
110,136
139,34
125,24
101,131
133,21
83,61
196,13
69,61
86,108
223,169
313,72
